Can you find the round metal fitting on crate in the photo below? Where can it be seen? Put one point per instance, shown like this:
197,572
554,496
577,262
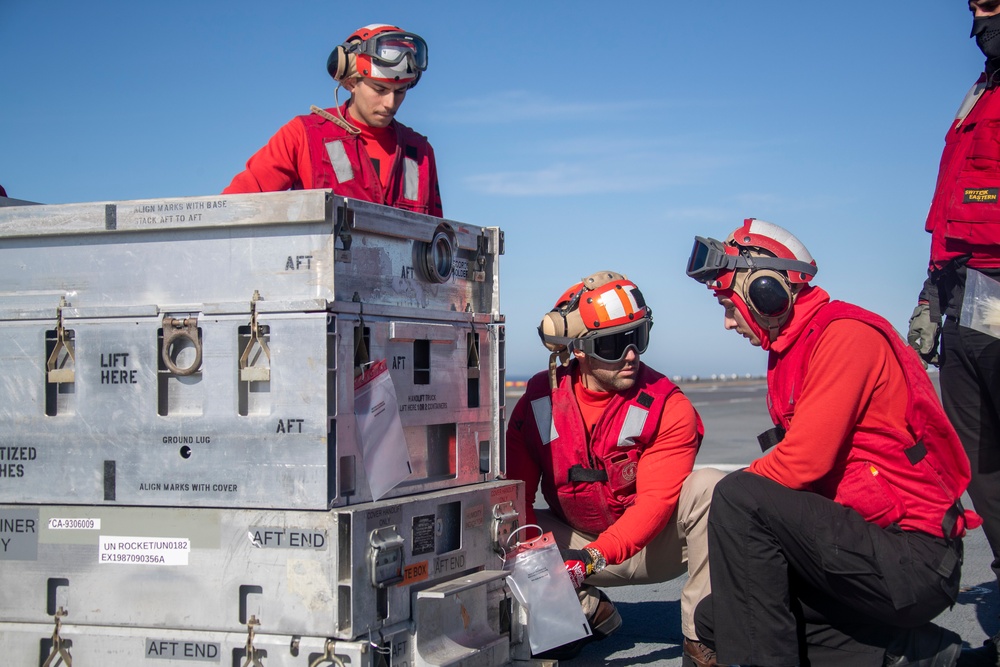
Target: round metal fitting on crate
439,255
177,330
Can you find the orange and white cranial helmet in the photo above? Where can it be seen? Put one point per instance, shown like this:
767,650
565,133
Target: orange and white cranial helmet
602,316
380,52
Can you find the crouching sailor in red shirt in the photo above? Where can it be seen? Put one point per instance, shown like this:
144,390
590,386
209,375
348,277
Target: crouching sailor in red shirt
359,149
844,540
612,444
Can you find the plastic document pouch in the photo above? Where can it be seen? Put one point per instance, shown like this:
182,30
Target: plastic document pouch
542,586
383,445
981,304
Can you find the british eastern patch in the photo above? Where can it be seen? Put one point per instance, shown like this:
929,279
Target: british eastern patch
980,195
645,400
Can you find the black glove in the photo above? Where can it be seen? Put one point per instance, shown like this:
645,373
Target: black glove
925,323
578,563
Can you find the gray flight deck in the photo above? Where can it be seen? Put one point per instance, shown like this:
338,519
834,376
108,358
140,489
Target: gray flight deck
734,412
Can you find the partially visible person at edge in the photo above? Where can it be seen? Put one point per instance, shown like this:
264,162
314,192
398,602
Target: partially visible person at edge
964,223
358,149
612,443
844,540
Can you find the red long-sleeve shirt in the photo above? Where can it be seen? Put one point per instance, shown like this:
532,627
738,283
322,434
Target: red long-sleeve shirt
838,399
661,471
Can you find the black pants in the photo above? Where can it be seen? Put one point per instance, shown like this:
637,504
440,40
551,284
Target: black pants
970,392
800,579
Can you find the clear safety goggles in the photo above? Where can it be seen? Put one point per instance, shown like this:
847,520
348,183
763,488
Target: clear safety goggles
390,48
709,258
612,347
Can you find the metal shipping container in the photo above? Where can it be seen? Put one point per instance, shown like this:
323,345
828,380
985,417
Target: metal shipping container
201,351
419,577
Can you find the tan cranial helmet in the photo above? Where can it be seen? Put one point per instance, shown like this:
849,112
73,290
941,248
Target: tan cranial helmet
592,310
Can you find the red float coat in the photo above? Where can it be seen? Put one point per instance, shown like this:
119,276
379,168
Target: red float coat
863,423
964,217
310,152
645,441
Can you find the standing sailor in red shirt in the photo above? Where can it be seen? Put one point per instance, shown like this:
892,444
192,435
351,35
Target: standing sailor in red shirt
841,543
612,444
357,149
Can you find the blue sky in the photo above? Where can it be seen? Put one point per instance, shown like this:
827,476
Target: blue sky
597,135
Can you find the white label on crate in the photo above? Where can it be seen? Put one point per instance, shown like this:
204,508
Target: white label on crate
74,524
19,534
287,538
171,649
143,550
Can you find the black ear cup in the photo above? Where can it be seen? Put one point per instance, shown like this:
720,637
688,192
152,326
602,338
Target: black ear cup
768,294
336,64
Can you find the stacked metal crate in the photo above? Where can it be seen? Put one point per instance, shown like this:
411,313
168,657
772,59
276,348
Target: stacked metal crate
181,474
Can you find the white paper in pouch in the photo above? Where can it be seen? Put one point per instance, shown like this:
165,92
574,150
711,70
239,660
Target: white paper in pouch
981,304
383,445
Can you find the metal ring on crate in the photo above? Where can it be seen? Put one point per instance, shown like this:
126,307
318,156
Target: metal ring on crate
328,656
439,255
174,329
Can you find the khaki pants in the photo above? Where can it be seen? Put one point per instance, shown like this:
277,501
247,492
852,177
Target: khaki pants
682,546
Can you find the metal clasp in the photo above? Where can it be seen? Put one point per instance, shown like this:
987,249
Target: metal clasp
255,373
253,655
342,230
482,250
57,644
58,371
386,556
505,524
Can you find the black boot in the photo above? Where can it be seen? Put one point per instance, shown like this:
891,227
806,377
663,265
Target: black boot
927,646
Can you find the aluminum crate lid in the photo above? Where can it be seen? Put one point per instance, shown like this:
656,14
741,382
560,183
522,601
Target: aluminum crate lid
221,249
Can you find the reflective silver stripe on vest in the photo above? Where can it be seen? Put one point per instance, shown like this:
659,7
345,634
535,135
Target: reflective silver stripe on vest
542,408
411,180
635,420
341,163
973,96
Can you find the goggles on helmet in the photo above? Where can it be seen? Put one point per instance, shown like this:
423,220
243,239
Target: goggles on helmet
390,48
713,263
613,346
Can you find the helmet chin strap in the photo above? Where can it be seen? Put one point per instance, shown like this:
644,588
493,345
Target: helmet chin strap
772,332
337,120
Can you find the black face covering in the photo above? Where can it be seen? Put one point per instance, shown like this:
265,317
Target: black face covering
986,30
